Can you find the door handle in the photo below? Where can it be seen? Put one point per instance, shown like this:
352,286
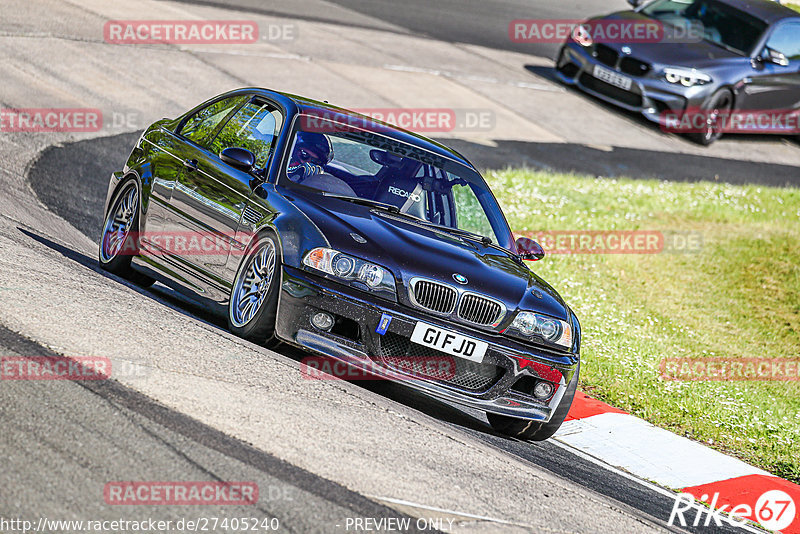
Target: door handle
190,164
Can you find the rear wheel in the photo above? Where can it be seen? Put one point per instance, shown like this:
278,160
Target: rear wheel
716,113
533,430
118,246
254,298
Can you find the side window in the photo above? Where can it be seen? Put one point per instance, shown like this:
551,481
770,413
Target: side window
786,39
254,127
471,215
201,124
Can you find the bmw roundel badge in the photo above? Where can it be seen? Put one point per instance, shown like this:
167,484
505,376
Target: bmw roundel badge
460,278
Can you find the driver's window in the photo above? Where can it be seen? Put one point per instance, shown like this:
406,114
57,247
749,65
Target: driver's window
254,127
202,124
786,40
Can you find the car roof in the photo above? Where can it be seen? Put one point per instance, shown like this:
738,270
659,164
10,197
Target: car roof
309,106
769,11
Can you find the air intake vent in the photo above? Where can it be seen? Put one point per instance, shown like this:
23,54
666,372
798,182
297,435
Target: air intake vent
479,310
634,67
433,296
251,216
398,352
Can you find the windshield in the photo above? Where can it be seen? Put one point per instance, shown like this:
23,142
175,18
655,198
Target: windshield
721,24
376,170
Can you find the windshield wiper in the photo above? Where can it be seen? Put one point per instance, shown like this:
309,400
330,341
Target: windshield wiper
724,46
364,202
484,240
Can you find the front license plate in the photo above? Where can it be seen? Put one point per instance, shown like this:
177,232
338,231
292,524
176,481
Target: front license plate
614,78
449,342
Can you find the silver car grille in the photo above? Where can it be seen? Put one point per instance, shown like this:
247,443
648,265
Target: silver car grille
438,298
479,310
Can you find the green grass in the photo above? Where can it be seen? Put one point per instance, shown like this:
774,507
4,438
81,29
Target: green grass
737,297
796,7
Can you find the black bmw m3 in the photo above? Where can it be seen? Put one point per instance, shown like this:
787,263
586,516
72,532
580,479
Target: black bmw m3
318,227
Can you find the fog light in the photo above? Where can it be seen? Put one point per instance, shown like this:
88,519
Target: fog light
543,390
322,320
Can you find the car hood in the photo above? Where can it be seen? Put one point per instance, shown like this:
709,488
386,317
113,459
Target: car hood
409,249
697,54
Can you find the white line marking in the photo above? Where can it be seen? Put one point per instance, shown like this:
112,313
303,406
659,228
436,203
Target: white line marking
404,68
537,86
271,55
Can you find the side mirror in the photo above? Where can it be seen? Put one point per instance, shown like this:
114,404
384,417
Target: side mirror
778,58
529,249
635,3
239,158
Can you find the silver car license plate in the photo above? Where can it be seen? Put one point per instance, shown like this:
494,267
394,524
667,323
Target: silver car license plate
612,77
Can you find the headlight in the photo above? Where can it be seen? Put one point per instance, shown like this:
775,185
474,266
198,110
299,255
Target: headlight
350,269
686,77
530,324
582,36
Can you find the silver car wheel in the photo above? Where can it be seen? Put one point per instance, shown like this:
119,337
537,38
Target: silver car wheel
252,284
118,223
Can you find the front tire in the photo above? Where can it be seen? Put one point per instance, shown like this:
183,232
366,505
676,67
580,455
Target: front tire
533,430
721,104
253,304
117,245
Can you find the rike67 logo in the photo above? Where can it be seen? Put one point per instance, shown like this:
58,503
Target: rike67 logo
774,510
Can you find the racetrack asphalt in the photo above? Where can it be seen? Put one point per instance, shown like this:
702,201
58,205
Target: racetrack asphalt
61,450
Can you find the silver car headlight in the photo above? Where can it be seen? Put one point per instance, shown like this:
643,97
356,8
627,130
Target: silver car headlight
350,269
686,77
529,324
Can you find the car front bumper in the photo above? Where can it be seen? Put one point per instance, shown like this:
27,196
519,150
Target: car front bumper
651,96
486,386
